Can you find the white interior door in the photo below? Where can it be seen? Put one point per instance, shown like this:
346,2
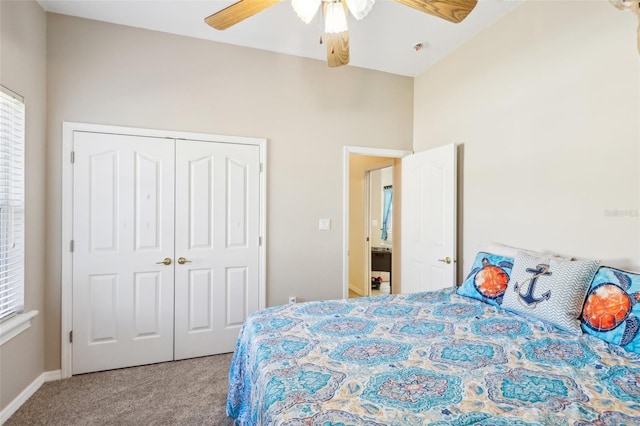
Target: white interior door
429,220
123,222
217,234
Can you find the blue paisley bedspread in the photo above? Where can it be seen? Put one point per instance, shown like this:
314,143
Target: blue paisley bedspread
431,358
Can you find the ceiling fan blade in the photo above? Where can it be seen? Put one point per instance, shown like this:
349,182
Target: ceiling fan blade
237,12
452,10
337,48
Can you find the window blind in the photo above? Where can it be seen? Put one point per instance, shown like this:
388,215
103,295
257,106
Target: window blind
12,134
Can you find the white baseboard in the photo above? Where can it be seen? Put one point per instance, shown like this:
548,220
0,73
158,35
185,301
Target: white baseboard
355,290
13,406
51,376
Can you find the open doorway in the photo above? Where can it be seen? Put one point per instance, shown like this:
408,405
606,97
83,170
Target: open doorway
380,237
358,163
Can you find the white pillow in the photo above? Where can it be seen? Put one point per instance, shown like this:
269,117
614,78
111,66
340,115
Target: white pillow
509,251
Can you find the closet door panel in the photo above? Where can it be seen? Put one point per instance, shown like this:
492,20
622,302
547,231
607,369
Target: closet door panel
217,230
122,230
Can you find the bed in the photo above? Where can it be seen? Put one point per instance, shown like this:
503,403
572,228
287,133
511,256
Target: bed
432,358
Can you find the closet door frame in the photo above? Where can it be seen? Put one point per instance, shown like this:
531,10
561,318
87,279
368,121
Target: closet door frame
68,130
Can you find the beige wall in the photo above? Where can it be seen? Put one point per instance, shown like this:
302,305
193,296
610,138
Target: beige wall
23,70
110,74
547,105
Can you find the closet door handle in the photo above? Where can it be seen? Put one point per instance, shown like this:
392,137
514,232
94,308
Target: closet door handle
446,260
166,261
182,260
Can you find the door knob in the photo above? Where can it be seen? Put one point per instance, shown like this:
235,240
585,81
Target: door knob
166,261
182,260
446,260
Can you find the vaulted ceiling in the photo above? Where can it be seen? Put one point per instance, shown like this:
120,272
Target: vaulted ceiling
382,41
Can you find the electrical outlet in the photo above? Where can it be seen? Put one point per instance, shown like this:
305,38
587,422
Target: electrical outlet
324,224
292,299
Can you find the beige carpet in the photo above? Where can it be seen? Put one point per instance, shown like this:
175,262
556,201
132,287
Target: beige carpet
190,392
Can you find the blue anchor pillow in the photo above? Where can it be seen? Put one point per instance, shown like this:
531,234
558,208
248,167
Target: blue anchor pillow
488,278
550,289
611,309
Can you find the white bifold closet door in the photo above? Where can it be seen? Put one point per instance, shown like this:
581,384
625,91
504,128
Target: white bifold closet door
140,205
217,231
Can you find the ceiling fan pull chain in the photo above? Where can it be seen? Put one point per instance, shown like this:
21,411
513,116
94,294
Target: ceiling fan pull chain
632,5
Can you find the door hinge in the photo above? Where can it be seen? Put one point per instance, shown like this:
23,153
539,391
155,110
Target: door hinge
260,241
73,157
71,336
261,167
72,245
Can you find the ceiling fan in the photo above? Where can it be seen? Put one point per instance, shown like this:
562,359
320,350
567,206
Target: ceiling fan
335,17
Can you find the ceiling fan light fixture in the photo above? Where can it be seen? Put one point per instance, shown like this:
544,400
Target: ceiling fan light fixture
359,8
335,18
306,9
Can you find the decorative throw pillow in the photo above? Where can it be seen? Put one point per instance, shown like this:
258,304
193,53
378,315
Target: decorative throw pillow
611,311
488,278
550,289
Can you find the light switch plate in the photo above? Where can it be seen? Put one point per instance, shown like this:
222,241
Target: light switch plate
324,224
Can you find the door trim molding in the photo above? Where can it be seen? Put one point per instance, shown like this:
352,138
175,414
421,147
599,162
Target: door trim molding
68,129
358,150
